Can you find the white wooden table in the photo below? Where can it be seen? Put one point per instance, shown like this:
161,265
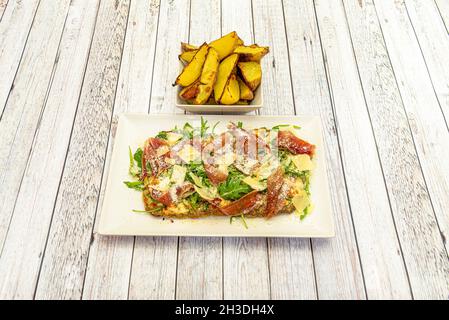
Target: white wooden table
376,71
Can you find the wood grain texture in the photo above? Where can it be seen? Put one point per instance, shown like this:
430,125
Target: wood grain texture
433,40
431,140
133,95
443,9
236,15
382,264
290,260
153,274
245,269
3,4
173,28
25,242
434,44
26,102
154,264
336,261
15,25
199,272
403,176
65,258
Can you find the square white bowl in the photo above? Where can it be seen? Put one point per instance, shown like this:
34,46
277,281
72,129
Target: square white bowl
253,105
117,216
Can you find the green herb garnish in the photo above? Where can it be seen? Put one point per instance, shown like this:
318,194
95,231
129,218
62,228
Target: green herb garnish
136,185
233,188
279,126
215,125
197,168
162,135
242,217
204,127
148,211
135,162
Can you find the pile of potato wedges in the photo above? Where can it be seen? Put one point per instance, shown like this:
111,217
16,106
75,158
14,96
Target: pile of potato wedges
224,71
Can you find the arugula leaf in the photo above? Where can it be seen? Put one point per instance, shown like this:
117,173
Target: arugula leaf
244,221
304,213
132,167
148,211
188,130
193,200
233,188
136,185
242,217
162,135
240,124
138,157
203,128
279,126
215,125
197,168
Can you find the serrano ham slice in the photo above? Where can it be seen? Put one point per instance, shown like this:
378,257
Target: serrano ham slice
243,205
287,140
276,193
155,156
213,151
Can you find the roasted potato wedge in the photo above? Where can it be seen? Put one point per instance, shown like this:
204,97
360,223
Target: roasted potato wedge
245,91
190,92
251,73
251,53
188,47
231,92
225,69
225,45
208,77
192,70
187,56
209,73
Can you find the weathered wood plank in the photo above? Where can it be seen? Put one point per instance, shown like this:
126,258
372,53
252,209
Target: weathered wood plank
290,260
236,15
154,264
3,4
336,261
403,176
443,9
427,263
433,41
26,103
133,95
245,269
199,272
25,242
65,258
173,28
381,260
15,25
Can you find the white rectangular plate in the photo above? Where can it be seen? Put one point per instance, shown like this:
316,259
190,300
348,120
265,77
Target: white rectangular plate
117,217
